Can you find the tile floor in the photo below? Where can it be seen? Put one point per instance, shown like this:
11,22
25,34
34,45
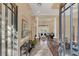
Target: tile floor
41,49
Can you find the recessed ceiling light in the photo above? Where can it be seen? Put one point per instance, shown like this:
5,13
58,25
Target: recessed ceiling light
39,4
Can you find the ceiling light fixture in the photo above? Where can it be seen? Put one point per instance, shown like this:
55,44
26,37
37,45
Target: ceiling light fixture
39,4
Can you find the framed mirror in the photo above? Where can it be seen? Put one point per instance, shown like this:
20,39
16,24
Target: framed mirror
25,29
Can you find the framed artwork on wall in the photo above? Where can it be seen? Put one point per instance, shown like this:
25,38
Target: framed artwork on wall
25,29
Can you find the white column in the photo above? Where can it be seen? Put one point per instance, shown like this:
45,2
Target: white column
3,30
55,27
37,27
9,33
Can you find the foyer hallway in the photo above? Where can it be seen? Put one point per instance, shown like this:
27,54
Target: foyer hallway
24,26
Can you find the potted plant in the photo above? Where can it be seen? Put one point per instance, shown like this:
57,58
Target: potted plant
34,42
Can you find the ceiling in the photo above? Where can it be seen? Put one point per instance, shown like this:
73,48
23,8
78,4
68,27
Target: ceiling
44,9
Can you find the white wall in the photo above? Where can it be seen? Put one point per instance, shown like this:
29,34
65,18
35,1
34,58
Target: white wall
24,12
